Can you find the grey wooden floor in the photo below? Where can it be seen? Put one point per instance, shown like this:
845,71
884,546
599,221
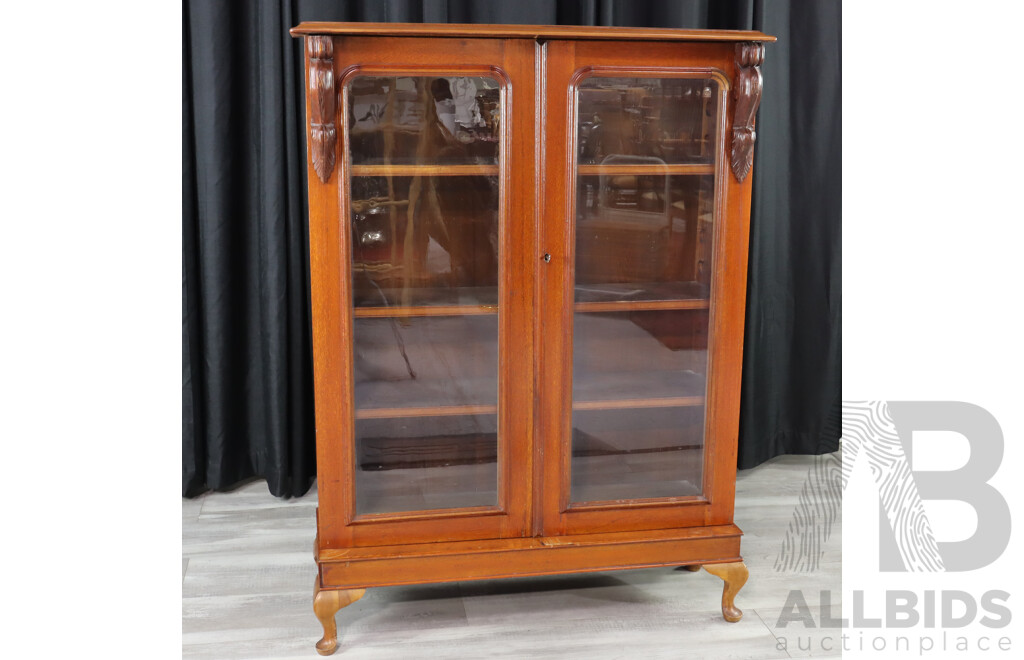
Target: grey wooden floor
248,572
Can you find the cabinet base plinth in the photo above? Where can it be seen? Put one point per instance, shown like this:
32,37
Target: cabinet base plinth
424,563
345,574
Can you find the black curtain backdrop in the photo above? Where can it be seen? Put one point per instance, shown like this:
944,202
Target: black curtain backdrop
246,331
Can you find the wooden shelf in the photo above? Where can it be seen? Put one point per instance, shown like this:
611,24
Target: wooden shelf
639,296
436,310
424,411
423,170
609,404
661,402
641,305
669,389
480,310
479,301
683,169
646,170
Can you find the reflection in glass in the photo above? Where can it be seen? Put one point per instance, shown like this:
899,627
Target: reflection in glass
636,453
644,232
648,357
424,240
424,120
423,463
643,237
672,119
425,230
639,379
424,362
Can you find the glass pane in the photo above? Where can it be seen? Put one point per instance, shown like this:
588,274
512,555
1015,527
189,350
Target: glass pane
425,240
669,119
421,463
636,453
425,200
644,230
643,237
639,379
402,363
402,120
644,357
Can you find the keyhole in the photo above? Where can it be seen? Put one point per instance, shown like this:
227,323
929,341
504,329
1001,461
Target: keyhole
547,258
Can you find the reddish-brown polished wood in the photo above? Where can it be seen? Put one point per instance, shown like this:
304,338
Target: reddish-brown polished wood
326,603
747,95
533,529
540,32
322,131
687,168
640,305
436,310
568,61
479,560
512,62
735,575
424,170
331,367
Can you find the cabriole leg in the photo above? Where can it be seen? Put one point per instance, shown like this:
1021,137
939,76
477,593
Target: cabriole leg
326,604
735,576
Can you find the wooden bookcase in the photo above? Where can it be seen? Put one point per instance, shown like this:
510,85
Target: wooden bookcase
528,251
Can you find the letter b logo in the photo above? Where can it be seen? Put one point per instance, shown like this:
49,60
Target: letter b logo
967,484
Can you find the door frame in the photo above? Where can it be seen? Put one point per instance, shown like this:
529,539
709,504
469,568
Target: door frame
512,62
565,63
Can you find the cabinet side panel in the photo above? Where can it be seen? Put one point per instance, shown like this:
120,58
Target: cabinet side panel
727,323
330,364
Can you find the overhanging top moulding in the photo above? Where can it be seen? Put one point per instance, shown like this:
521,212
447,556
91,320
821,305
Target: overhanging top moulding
524,31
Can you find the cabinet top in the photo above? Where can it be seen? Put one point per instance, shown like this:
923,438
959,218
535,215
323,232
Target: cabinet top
525,31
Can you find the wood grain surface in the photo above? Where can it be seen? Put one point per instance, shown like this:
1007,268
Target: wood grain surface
524,521
545,32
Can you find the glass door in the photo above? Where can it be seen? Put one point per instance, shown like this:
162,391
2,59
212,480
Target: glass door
440,425
638,284
425,201
644,223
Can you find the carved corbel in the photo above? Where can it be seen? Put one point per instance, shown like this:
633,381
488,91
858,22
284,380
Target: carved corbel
323,133
746,94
